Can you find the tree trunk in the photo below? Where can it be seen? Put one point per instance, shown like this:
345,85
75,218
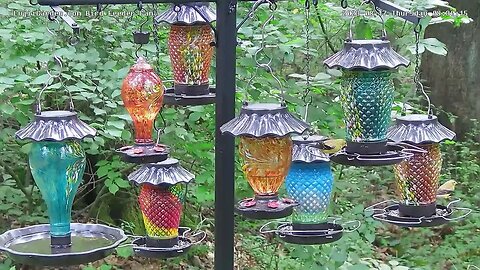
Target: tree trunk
454,80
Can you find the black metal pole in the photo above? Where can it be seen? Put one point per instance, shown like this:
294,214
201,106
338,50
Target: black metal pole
225,144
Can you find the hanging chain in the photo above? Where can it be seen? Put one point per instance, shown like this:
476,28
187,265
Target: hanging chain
416,78
308,58
155,37
265,65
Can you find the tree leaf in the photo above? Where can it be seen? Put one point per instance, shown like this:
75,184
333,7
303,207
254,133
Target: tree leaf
7,108
113,189
435,46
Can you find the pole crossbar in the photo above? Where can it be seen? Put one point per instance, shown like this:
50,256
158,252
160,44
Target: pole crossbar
397,10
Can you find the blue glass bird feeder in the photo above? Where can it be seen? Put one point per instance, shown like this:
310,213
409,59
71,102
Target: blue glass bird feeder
309,182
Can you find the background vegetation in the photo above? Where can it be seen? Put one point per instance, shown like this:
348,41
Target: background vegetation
93,71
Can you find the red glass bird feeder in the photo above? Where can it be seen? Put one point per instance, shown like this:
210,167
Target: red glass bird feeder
161,198
191,46
142,94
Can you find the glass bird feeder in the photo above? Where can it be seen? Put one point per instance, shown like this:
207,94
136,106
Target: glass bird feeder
57,162
417,179
309,182
142,94
161,198
191,45
265,147
367,98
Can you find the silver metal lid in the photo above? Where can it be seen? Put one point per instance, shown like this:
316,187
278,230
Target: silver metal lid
168,172
56,126
188,14
264,119
304,152
366,55
419,128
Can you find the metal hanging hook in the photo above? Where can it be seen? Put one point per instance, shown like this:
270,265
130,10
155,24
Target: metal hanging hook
266,65
251,12
377,12
141,37
308,64
344,4
51,78
416,79
159,131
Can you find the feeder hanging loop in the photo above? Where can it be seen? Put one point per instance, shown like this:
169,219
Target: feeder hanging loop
251,12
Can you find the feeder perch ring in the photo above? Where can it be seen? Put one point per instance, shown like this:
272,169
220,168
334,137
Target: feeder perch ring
322,233
185,242
390,214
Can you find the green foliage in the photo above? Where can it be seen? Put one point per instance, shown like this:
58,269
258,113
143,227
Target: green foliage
93,71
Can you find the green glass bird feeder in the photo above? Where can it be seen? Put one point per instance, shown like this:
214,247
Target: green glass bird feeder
367,97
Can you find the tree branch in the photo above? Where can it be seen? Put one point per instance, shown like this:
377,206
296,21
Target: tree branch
324,30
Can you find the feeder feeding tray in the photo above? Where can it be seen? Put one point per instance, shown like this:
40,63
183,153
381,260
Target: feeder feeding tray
316,234
182,246
32,245
391,214
265,207
170,98
144,153
393,154
311,234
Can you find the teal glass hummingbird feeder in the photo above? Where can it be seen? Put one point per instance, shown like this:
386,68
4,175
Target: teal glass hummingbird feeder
57,162
367,92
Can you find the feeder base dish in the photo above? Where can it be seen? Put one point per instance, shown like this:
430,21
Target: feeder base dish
417,210
144,153
141,249
191,90
32,246
392,215
317,234
170,98
267,207
366,148
394,154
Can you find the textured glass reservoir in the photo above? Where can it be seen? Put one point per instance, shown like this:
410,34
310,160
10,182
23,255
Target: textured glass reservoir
310,184
418,178
191,53
57,168
161,208
367,98
266,162
142,95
